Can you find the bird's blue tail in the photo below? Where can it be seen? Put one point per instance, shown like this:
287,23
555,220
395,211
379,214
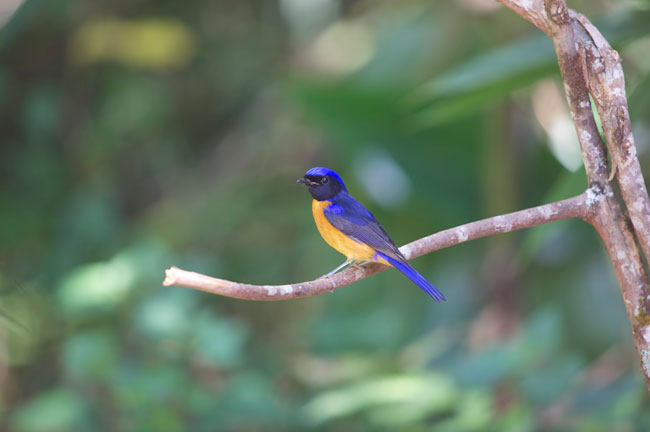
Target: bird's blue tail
416,277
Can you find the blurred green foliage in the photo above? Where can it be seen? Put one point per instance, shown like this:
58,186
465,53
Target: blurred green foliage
139,135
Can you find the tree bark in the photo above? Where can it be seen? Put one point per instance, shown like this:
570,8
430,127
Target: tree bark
589,66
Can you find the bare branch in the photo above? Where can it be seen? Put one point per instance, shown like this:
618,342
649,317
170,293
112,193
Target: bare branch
577,207
607,86
585,67
571,65
604,78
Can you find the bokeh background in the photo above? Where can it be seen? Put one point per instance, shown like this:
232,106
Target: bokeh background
136,135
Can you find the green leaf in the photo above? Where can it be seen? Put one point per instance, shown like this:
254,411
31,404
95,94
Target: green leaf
494,74
99,286
220,341
89,354
405,395
58,409
482,79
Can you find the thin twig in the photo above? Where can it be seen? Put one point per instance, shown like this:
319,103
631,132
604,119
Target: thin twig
576,207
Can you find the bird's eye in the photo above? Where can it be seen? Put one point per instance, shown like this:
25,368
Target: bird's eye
324,180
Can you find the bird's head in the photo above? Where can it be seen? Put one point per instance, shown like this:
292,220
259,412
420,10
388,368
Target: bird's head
323,183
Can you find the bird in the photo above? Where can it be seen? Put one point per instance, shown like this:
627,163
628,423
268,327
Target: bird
350,228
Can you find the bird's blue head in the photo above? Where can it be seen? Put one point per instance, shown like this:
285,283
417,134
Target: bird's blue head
323,183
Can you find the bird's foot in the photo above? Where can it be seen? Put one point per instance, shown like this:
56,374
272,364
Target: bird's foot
327,275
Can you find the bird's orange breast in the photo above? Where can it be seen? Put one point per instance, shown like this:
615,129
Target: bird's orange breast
352,249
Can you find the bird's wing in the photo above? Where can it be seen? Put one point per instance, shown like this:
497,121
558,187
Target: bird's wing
355,221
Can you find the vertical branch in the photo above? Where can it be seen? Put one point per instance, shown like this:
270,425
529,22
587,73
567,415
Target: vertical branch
607,86
608,218
570,62
588,64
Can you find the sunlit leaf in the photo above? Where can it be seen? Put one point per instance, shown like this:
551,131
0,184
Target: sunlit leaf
419,395
147,43
99,286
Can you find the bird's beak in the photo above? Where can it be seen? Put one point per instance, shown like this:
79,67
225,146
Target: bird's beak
303,180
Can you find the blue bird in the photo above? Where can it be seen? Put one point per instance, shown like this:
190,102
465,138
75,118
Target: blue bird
350,228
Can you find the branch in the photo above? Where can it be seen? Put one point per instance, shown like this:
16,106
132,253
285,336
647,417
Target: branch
576,207
571,63
590,66
607,85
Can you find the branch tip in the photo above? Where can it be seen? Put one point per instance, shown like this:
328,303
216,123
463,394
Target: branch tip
170,276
